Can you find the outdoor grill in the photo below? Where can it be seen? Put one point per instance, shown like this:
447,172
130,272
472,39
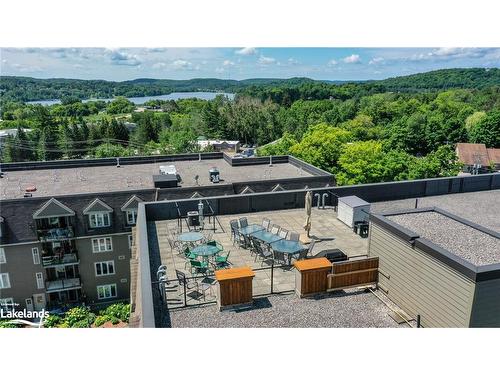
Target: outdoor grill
193,218
333,255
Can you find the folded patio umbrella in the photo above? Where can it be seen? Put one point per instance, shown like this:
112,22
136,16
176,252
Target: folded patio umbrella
308,207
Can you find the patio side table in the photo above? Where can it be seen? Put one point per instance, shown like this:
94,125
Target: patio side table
311,276
234,287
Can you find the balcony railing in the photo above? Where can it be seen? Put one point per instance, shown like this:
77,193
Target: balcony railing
55,234
56,260
62,284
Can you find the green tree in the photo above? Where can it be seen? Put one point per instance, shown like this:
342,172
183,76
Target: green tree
120,105
487,130
321,146
109,151
361,163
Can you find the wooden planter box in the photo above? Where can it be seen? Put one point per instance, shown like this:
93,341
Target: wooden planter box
234,287
311,276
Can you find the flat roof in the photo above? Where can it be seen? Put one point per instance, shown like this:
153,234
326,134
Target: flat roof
465,241
482,207
63,181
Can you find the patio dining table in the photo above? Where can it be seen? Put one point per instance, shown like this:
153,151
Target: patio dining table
190,236
205,250
249,229
287,247
266,236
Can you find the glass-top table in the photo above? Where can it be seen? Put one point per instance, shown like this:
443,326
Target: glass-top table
205,250
266,236
252,228
190,237
287,246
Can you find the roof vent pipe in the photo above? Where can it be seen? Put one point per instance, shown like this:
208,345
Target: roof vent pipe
199,156
117,162
319,198
323,200
270,160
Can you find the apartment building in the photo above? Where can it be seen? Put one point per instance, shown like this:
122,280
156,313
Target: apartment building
66,226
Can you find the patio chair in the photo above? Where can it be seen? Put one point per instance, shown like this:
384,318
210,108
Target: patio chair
243,222
310,248
293,236
283,233
218,245
199,267
234,230
275,229
207,237
222,261
301,254
279,257
254,245
206,284
190,284
189,256
175,245
266,223
263,251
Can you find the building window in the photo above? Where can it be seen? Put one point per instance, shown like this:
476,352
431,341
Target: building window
99,220
39,280
36,255
100,245
105,268
106,291
53,221
129,241
131,216
4,281
2,256
6,304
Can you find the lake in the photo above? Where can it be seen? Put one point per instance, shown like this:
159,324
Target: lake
143,99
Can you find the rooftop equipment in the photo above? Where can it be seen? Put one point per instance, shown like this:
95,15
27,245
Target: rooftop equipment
352,209
165,180
168,169
214,175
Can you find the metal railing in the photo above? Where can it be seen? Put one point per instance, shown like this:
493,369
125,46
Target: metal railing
183,289
55,260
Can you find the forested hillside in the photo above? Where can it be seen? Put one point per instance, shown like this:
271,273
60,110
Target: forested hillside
284,91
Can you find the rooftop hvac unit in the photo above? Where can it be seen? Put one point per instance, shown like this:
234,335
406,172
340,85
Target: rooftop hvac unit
352,209
168,169
214,175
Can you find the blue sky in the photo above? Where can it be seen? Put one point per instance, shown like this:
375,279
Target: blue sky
120,64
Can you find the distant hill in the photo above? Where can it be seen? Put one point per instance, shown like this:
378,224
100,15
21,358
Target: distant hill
471,78
27,89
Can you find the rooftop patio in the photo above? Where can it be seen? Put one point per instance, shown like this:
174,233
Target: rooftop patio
326,230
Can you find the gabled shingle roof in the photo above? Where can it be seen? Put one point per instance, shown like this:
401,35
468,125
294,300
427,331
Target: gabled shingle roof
132,203
97,205
53,208
472,153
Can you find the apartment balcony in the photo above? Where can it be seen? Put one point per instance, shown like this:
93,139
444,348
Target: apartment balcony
60,260
55,234
62,284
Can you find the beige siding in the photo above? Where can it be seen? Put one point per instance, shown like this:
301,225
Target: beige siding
486,307
420,284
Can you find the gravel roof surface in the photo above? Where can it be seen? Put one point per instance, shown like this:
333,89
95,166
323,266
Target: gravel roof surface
468,243
355,309
482,207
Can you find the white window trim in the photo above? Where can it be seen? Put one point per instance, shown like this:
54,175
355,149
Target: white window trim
100,214
36,255
129,242
97,249
39,280
107,262
134,216
106,286
9,301
7,284
3,258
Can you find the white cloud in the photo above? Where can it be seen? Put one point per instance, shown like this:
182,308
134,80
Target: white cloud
219,70
27,68
376,60
123,58
182,64
332,62
227,63
353,59
263,60
247,51
292,61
